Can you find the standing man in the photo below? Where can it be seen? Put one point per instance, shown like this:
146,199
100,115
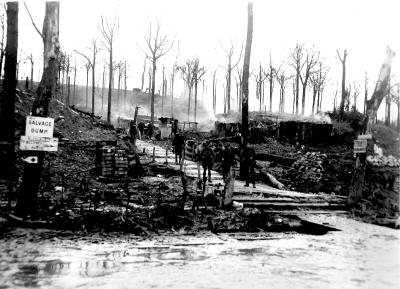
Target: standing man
207,160
149,130
249,158
141,129
178,144
228,160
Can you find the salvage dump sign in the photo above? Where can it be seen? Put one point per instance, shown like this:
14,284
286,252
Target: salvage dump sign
39,135
39,126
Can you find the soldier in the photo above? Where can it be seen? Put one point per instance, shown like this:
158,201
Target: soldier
249,159
178,144
207,160
228,159
141,129
149,130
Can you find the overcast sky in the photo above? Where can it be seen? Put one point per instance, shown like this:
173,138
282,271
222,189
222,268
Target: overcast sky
364,28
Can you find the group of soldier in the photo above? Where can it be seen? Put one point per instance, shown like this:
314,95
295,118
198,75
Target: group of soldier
143,129
207,155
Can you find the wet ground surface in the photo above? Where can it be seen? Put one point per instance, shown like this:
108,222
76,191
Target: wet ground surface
359,256
261,196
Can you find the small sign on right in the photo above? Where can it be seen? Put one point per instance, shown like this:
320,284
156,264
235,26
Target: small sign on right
360,146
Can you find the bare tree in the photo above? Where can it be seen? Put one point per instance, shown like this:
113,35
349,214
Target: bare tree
312,58
158,46
240,82
163,91
231,65
174,69
214,91
260,77
271,76
143,73
317,81
32,172
7,99
108,30
88,65
282,81
245,87
2,27
120,68
95,50
398,107
67,66
30,59
187,76
297,62
73,93
354,95
102,88
358,180
365,91
198,73
343,99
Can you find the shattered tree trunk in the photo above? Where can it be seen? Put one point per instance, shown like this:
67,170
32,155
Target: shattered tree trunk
26,202
358,180
398,108
190,96
110,80
7,135
172,91
214,94
163,91
87,86
153,88
31,82
93,77
195,97
343,99
67,101
144,71
102,89
228,87
245,87
73,92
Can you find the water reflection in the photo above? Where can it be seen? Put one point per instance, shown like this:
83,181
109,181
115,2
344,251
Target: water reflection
359,256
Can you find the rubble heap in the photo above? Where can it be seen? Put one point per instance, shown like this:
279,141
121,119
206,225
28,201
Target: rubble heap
309,167
383,161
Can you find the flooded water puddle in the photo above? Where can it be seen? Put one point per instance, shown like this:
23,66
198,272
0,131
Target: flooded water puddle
359,256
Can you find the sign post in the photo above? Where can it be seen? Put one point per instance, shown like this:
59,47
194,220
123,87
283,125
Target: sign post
360,146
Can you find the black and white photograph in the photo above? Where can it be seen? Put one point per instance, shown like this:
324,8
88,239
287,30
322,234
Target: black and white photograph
207,144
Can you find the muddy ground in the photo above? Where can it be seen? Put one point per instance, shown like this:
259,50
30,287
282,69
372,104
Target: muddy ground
149,201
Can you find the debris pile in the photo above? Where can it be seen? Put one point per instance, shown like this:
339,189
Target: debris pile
309,167
383,161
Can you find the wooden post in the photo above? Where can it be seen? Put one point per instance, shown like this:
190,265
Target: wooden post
26,202
166,156
154,154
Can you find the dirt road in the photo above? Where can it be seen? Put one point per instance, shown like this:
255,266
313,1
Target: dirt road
262,196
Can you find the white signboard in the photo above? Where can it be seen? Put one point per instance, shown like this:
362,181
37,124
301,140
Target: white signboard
365,136
39,126
38,144
360,146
